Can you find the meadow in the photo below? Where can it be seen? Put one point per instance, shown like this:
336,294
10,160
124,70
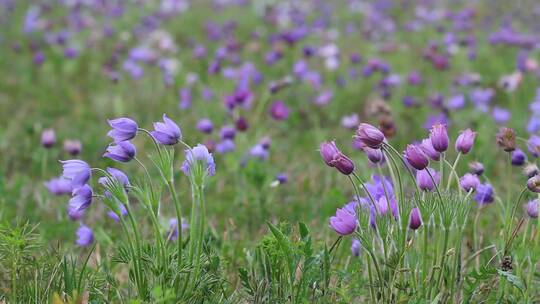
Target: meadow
237,151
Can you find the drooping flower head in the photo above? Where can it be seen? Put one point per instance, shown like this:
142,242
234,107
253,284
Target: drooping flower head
279,111
333,157
59,186
85,236
117,174
344,222
531,170
465,141
166,132
416,157
533,145
476,168
199,155
79,202
48,138
428,149
113,215
122,151
370,135
534,184
77,171
122,129
439,137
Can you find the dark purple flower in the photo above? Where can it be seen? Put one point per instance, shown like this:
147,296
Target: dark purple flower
469,182
122,151
48,138
465,141
85,236
77,171
518,157
205,125
484,194
370,135
415,219
532,208
72,147
416,157
241,124
279,111
199,154
424,180
59,186
343,222
439,137
282,178
166,132
122,129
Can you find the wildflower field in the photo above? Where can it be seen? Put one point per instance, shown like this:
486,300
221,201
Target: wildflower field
265,151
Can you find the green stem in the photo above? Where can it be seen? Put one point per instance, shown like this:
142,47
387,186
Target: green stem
178,209
453,173
443,259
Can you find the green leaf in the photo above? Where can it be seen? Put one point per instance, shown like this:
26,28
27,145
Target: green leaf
512,279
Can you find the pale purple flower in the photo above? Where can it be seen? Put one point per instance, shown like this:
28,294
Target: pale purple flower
167,132
122,151
48,138
77,171
424,181
343,222
85,236
196,155
122,129
59,186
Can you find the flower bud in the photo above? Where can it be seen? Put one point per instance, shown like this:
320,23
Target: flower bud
48,138
465,141
534,184
439,137
532,208
469,182
415,219
518,157
370,135
476,168
416,157
530,170
344,222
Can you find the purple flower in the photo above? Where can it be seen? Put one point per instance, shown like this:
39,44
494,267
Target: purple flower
469,182
355,247
166,132
173,228
428,149
122,151
518,157
343,222
533,184
120,176
416,157
279,111
476,168
282,178
530,170
122,129
533,145
85,236
225,146
77,171
532,208
415,219
370,135
484,194
72,147
59,186
199,154
456,102
424,180
79,202
259,151
465,141
227,132
241,124
205,125
500,115
439,137
48,138
333,157
114,216
185,98
350,121
374,155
